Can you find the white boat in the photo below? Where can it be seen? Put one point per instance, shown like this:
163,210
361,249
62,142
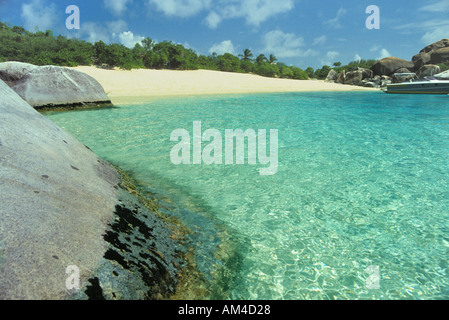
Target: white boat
427,85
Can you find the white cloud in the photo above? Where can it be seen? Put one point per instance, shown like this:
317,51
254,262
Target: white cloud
384,54
118,7
253,11
440,6
181,8
330,58
129,39
285,45
257,11
374,48
335,22
436,34
37,14
433,23
320,40
117,26
222,48
95,32
434,29
108,33
357,57
213,20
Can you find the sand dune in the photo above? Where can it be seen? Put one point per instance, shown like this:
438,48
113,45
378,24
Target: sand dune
137,85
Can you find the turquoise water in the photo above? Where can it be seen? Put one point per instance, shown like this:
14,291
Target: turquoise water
363,180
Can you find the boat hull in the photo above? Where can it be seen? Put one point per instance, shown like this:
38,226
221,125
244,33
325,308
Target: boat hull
432,87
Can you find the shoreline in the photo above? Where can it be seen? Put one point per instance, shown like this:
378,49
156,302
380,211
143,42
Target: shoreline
139,85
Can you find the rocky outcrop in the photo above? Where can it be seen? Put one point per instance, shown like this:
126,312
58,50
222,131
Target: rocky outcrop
388,66
440,56
429,54
63,206
428,70
332,76
341,77
51,86
386,71
402,70
11,71
354,78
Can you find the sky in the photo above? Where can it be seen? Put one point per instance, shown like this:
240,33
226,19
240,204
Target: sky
304,33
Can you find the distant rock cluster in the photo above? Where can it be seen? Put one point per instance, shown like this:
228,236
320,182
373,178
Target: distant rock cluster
382,73
52,86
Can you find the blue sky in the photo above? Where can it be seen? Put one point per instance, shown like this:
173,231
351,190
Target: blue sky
299,32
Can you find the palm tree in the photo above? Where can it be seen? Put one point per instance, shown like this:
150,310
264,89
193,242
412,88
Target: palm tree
273,58
261,58
247,55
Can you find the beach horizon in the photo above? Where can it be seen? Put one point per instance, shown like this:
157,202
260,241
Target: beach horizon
139,85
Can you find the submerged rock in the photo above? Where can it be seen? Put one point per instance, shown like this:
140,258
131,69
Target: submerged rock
141,261
50,86
11,71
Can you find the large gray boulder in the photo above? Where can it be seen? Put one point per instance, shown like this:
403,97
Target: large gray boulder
443,75
12,71
440,56
388,66
428,70
62,206
332,76
56,200
354,77
49,86
341,77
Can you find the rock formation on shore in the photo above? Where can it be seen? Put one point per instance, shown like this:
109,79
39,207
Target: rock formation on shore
435,53
383,71
52,86
63,206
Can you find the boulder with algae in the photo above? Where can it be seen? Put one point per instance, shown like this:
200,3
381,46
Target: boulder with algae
63,206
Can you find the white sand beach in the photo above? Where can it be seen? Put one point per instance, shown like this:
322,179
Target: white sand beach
124,86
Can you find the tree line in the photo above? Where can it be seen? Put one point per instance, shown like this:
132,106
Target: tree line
44,48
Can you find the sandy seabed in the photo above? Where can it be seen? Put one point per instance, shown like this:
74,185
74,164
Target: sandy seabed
123,86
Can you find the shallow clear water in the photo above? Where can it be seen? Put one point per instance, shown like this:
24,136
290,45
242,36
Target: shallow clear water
363,181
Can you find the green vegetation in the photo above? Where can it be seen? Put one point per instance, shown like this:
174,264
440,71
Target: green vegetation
444,66
44,48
